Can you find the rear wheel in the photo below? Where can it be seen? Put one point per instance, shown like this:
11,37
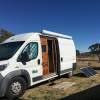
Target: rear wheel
16,87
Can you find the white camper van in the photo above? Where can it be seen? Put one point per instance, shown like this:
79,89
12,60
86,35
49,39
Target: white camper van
31,58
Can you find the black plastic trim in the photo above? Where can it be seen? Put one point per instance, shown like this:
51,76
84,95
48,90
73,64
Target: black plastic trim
65,71
37,78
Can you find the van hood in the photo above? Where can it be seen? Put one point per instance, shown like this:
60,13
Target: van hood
4,62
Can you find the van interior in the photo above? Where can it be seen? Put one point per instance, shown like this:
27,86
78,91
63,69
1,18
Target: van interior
50,55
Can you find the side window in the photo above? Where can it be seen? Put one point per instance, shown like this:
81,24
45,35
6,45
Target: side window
43,48
32,50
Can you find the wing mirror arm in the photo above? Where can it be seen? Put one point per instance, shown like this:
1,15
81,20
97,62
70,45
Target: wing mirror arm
24,57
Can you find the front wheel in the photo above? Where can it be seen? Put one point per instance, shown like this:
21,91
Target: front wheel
16,87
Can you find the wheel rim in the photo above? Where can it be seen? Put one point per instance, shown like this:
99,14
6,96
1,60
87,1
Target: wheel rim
16,88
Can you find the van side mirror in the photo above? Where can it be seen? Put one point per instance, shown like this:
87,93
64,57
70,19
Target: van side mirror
24,57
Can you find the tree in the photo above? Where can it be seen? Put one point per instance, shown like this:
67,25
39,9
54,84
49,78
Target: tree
77,52
4,34
95,48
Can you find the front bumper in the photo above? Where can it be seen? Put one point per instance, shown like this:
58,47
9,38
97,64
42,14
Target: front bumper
1,79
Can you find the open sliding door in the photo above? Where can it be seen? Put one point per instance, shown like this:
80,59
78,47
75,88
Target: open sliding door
50,55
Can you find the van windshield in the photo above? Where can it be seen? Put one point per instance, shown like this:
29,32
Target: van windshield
7,50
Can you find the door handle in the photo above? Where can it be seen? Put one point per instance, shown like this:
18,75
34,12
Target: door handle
38,61
61,59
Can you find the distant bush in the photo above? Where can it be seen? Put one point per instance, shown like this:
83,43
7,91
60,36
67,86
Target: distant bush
4,34
77,52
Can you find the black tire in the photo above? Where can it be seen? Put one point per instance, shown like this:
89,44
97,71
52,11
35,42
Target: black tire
16,87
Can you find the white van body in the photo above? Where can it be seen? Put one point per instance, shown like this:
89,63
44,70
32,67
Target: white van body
32,70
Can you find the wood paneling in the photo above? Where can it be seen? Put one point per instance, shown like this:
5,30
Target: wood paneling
45,60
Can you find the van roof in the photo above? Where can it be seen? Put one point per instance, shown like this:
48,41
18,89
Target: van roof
19,37
25,36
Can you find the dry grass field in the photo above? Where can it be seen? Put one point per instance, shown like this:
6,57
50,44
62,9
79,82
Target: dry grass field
83,84
91,61
46,92
84,88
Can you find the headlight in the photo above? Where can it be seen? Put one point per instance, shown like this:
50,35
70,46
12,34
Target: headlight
2,67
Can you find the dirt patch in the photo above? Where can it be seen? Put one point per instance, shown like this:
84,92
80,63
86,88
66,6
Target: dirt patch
64,85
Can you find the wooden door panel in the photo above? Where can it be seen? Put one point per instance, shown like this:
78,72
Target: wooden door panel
45,60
